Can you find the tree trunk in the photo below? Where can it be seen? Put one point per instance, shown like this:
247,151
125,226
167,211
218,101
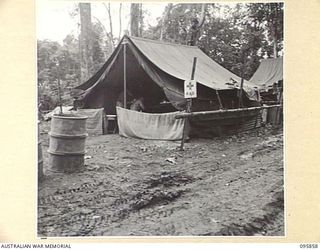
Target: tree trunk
271,16
194,31
275,52
202,15
140,19
164,20
120,21
275,39
85,42
110,24
134,19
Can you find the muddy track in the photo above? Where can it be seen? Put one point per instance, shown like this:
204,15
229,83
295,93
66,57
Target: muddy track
256,226
94,198
225,186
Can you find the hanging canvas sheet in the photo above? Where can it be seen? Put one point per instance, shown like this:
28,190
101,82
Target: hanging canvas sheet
95,120
149,126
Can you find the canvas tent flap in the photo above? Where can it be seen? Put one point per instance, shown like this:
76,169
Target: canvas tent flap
101,74
149,126
269,72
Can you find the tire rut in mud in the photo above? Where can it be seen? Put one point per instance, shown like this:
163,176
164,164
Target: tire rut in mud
257,226
64,193
155,191
91,208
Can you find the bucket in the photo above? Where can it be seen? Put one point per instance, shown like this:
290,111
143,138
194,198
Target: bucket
272,115
67,143
110,124
40,158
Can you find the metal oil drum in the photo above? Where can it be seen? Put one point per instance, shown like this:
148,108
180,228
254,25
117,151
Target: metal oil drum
67,143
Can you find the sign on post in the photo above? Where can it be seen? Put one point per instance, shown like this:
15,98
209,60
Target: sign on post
190,89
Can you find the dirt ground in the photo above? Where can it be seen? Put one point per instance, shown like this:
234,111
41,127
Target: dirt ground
224,186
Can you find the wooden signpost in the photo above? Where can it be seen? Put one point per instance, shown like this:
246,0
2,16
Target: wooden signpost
190,91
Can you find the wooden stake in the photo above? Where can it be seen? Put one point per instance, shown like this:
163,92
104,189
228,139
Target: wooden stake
193,67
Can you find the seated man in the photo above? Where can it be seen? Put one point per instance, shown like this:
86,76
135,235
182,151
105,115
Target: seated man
138,105
120,99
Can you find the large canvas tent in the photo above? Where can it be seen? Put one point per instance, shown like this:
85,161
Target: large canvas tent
269,72
157,71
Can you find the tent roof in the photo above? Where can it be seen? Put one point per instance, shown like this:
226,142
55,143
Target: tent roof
176,60
269,72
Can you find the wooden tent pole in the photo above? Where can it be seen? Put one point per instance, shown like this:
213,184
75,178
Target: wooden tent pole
220,103
221,107
124,74
192,78
240,93
189,105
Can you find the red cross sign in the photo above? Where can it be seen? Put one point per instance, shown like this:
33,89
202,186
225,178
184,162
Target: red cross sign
190,89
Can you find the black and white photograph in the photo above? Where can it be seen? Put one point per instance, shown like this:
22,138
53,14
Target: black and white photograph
160,119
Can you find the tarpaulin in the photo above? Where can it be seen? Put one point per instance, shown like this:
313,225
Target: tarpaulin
95,120
149,126
270,71
57,110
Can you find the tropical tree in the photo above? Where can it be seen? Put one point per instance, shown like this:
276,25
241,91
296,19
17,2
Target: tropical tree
86,42
136,19
269,16
99,49
235,36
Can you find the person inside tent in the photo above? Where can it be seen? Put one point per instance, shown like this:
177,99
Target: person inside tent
120,99
138,104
